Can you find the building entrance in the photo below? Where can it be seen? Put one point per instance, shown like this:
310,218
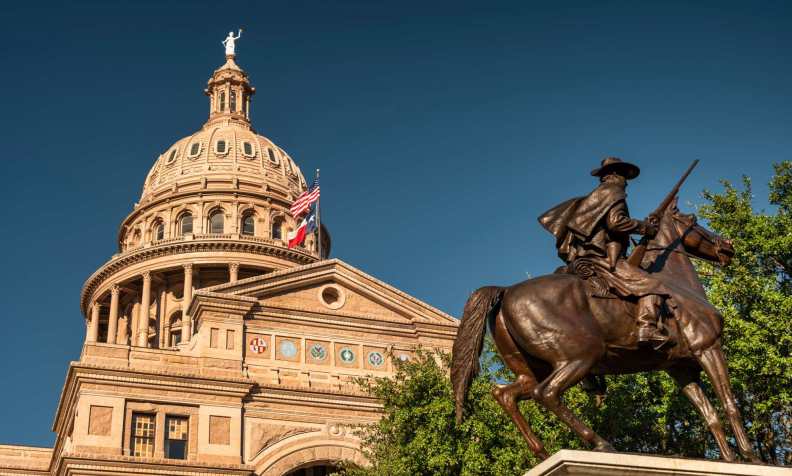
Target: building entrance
315,470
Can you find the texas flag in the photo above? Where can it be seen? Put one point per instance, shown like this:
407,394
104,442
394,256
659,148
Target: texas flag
307,225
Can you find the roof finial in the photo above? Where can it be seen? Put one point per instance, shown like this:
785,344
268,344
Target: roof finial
230,42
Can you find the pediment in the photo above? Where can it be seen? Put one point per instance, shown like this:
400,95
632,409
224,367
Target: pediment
334,287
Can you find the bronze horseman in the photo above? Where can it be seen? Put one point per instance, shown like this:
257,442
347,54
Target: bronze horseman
595,231
604,313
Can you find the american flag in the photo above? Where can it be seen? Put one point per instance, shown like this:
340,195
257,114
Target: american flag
305,200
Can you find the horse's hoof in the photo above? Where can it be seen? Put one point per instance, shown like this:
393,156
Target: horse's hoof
605,447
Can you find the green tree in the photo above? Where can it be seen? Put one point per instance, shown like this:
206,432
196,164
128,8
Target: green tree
644,412
755,295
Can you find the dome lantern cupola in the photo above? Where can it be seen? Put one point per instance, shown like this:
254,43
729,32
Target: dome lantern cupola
229,92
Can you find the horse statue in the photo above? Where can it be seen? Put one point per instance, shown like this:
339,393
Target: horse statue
552,334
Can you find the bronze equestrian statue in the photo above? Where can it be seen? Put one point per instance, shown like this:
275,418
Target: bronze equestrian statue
606,314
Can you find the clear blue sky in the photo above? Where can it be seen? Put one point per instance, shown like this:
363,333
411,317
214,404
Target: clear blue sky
442,130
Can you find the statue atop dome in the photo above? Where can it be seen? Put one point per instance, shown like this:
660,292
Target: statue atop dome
230,42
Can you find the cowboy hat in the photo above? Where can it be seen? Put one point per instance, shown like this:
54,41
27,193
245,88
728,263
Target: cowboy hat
616,165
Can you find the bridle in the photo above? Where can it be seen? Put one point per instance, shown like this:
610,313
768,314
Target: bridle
689,221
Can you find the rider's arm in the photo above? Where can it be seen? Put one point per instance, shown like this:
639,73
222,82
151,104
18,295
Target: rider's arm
618,220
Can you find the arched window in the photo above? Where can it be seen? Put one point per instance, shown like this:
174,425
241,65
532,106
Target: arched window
220,147
159,231
195,149
248,224
277,228
233,101
172,156
246,102
216,222
186,224
247,148
222,100
272,157
174,328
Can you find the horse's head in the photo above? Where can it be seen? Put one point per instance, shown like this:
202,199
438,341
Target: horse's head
695,239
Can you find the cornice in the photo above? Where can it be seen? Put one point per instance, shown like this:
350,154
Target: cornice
87,463
209,301
197,244
281,393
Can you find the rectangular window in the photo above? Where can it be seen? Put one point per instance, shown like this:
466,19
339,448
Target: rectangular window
230,339
247,147
214,335
176,438
142,434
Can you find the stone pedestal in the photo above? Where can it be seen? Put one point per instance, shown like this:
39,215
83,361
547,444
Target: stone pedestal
589,463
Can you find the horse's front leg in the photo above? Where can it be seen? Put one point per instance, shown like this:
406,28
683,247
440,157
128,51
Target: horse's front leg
688,380
714,364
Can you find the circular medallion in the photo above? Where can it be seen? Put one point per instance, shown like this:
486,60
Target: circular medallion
376,359
318,352
347,355
258,345
288,349
404,357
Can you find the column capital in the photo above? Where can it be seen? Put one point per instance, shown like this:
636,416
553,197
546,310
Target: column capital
115,289
146,275
233,266
188,267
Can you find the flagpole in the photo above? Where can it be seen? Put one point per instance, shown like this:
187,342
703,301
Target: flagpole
318,222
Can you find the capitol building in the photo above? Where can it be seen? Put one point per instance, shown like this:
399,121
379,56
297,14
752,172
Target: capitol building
211,347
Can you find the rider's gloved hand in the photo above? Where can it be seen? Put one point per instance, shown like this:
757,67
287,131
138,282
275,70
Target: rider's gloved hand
647,228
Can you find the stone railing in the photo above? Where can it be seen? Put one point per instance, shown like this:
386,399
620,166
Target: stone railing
207,237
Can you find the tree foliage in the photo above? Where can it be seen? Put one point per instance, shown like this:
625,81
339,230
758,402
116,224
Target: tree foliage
639,413
755,295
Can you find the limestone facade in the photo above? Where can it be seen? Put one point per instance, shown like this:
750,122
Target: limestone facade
210,346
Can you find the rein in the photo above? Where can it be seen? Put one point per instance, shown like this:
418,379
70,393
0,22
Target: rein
716,242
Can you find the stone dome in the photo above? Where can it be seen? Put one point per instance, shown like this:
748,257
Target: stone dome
223,151
226,148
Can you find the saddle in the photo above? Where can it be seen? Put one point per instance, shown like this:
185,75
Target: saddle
586,270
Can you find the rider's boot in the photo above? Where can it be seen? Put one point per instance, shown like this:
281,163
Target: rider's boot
648,314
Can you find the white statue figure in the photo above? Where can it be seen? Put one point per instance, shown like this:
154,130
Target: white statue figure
229,42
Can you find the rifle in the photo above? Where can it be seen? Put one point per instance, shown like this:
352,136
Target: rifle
638,253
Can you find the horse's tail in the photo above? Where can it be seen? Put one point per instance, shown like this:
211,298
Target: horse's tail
469,341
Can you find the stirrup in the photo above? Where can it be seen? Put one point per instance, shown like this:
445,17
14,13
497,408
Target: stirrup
652,336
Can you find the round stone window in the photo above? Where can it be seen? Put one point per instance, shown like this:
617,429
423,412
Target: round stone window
332,296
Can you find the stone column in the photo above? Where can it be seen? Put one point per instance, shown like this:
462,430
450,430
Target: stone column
112,325
163,316
187,298
93,324
143,317
233,272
